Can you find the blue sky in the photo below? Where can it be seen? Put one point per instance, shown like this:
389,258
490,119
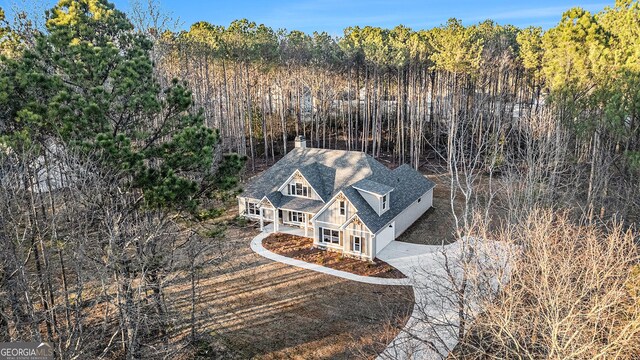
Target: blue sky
334,15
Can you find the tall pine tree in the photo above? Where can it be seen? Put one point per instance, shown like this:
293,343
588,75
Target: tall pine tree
90,82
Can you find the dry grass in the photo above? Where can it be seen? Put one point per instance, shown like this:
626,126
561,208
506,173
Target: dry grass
301,248
251,307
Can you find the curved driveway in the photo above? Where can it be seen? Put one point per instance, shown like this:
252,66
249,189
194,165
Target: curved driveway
423,266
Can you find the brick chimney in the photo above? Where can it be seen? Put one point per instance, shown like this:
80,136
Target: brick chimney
300,142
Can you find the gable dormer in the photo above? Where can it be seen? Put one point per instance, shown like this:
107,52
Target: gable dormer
377,195
336,211
298,186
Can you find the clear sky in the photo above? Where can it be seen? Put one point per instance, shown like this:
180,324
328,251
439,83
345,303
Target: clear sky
334,15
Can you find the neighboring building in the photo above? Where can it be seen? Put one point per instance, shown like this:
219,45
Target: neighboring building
345,200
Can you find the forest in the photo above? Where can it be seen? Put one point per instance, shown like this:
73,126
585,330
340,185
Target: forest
124,141
401,93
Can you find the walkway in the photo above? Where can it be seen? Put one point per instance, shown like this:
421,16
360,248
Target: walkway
256,246
424,267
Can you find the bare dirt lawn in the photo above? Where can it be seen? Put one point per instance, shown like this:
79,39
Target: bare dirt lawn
252,307
301,248
436,226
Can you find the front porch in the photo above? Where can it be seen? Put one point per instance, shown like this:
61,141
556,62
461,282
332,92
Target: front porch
272,222
269,228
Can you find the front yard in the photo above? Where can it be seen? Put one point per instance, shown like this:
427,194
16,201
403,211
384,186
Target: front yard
251,307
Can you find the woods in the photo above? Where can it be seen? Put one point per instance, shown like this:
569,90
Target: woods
99,164
395,93
120,138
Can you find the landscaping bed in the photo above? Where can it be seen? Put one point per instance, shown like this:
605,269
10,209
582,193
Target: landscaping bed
301,248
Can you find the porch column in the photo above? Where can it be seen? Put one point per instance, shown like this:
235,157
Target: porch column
345,240
275,219
261,220
372,248
306,224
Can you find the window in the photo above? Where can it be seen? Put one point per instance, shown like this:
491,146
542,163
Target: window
252,208
343,208
298,189
384,202
356,243
330,236
295,216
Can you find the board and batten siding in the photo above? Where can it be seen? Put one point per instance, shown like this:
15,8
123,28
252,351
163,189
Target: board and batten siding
412,213
355,228
300,179
331,215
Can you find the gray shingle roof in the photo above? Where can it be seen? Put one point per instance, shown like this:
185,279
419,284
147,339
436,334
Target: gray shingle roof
300,204
314,173
372,186
332,171
335,169
408,185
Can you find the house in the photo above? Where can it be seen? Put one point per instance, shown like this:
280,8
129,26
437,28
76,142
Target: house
345,200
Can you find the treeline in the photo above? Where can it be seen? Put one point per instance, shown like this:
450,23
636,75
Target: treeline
374,90
104,177
397,92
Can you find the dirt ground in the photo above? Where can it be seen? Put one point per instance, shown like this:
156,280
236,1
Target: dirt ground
301,248
252,307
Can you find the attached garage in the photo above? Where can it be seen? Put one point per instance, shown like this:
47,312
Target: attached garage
385,236
410,214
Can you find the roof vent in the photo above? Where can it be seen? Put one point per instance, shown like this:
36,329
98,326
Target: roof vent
300,142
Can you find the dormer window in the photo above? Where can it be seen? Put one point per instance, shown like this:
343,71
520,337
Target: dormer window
376,194
343,207
298,189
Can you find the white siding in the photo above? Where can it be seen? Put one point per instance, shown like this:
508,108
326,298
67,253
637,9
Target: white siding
385,236
413,212
373,200
313,195
361,230
331,215
242,207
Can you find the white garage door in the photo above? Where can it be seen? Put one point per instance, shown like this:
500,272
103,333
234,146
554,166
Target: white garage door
384,237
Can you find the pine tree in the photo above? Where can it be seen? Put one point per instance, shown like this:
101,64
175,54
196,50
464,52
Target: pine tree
100,94
88,87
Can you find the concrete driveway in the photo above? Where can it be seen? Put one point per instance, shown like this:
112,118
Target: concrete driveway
406,256
418,262
431,332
